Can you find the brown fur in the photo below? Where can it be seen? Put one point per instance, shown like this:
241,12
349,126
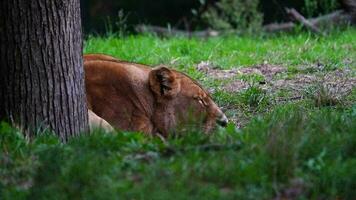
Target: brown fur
94,56
136,97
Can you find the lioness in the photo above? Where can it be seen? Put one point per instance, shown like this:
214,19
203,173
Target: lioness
97,56
97,122
137,97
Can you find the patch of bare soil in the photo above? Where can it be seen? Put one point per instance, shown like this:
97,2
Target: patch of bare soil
235,86
266,70
212,71
337,83
341,78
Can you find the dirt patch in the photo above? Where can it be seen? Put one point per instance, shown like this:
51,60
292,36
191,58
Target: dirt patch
235,86
339,83
284,87
212,71
300,81
266,70
339,78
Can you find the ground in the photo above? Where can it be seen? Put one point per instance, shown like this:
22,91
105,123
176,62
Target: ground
279,68
291,101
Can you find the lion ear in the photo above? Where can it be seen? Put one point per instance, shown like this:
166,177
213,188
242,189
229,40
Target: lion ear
163,82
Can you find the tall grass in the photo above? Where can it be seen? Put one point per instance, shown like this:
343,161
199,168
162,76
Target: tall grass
263,160
288,150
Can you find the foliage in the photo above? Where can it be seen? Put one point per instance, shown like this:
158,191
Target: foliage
102,15
241,15
294,147
119,27
317,7
317,147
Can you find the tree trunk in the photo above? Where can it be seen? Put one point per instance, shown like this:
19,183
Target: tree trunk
41,67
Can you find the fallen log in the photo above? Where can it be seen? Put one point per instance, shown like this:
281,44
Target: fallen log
295,15
338,17
279,27
161,31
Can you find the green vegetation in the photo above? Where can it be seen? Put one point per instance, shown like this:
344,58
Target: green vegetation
294,142
231,51
318,7
293,148
240,15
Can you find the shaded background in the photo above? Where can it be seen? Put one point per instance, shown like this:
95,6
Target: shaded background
100,16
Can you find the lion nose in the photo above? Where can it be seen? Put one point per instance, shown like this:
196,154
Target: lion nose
222,120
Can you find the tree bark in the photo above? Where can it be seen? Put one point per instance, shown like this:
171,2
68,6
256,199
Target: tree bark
41,67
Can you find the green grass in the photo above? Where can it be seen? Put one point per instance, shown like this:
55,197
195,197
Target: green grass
283,146
294,142
231,51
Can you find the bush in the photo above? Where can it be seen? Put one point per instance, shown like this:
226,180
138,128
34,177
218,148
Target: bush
242,15
315,7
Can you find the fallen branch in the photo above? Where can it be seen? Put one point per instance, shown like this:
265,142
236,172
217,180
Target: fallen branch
295,15
175,32
338,17
279,27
